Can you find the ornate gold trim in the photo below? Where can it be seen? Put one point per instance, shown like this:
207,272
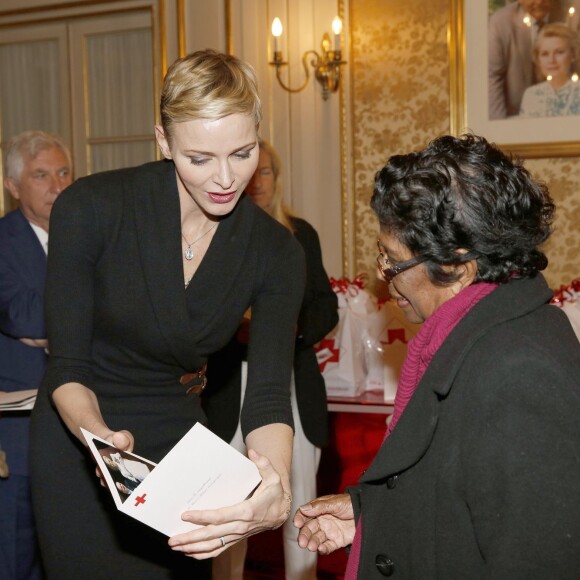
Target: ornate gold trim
88,14
124,139
228,24
162,35
456,48
181,47
458,121
347,210
51,7
543,150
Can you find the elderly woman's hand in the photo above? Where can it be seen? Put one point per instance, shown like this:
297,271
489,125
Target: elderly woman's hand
267,509
326,523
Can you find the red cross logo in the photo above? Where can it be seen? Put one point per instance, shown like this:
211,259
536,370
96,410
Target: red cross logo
140,499
326,352
394,334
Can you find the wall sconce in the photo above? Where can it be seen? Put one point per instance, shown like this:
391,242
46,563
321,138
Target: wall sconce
326,66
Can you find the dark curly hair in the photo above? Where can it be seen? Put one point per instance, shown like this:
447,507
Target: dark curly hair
464,193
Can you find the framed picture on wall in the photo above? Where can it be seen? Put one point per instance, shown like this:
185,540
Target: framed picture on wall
514,75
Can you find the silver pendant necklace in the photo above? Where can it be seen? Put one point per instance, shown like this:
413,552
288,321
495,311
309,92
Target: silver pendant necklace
188,254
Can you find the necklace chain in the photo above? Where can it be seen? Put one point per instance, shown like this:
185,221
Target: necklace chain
188,254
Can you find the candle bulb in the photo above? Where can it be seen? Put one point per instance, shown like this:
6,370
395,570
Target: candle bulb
276,33
337,29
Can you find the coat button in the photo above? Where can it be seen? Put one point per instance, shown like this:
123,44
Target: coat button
392,481
385,565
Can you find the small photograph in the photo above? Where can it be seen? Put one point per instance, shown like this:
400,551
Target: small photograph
518,78
125,470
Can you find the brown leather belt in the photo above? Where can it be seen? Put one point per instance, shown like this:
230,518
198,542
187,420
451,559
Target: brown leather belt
195,382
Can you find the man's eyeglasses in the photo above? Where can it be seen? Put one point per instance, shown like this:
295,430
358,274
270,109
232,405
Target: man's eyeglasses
388,271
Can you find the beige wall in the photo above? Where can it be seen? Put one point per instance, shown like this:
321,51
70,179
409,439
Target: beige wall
400,100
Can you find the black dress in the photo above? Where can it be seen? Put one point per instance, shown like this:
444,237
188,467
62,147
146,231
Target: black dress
121,323
318,316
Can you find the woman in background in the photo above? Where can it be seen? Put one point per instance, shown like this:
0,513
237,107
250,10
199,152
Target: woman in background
150,271
556,54
226,372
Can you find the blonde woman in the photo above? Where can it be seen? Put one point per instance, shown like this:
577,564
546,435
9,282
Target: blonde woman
226,371
556,53
150,271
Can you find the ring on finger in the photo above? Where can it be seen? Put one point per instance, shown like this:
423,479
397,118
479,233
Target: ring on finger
222,541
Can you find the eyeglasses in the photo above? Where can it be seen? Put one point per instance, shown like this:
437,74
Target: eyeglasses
389,272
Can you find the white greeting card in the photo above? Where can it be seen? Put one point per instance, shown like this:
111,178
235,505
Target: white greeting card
201,472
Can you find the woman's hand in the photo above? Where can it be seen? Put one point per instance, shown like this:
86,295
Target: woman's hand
267,509
326,523
122,440
79,407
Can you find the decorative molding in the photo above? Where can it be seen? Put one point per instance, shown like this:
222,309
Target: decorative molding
51,7
456,49
228,24
181,28
345,174
162,20
468,112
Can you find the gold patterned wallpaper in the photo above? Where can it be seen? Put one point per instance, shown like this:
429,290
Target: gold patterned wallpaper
400,101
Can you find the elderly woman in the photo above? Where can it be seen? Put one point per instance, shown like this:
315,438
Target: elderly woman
478,475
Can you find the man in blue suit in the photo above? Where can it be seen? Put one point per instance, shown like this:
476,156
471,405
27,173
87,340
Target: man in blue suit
38,168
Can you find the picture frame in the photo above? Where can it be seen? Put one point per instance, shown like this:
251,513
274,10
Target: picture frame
469,110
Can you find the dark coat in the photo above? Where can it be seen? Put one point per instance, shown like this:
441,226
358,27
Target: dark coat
479,479
22,276
318,316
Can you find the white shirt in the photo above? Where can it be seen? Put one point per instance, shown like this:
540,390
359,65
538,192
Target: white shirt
42,236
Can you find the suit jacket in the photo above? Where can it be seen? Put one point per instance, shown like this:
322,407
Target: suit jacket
511,67
22,277
318,316
479,479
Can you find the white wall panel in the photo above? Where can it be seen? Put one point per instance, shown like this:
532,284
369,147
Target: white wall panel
304,129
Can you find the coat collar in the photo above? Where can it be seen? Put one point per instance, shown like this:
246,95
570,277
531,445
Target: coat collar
414,431
27,249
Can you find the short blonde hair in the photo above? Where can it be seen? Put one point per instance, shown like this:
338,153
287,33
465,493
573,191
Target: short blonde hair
558,30
208,85
277,208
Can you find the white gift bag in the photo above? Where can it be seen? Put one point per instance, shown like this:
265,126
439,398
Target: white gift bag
572,309
568,299
341,354
385,344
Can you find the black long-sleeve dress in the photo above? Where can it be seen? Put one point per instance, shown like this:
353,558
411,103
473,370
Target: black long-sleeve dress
121,323
318,316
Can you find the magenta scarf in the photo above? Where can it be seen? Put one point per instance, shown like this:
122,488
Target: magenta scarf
420,352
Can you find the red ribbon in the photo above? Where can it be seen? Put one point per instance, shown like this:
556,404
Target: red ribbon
346,286
568,293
